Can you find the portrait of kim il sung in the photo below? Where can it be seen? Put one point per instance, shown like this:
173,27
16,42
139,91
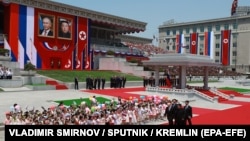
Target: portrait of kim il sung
46,25
64,28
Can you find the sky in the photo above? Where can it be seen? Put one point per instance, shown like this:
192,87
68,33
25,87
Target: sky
156,12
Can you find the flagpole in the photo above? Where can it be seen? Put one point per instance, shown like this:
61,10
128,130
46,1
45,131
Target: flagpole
31,50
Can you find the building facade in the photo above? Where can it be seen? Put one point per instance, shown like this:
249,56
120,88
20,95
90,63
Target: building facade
25,23
238,30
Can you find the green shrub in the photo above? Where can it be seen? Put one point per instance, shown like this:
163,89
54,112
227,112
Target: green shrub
133,60
3,51
110,52
29,66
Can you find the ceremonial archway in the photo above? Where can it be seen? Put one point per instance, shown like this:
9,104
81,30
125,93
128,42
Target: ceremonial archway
183,61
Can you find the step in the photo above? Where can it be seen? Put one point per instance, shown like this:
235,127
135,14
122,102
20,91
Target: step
61,87
51,82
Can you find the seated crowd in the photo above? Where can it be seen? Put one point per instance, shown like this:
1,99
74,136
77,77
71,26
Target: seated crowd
146,48
5,73
114,112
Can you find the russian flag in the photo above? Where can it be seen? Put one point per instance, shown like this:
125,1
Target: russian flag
208,44
225,47
194,43
179,43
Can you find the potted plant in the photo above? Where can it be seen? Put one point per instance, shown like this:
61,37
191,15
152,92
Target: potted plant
29,69
5,54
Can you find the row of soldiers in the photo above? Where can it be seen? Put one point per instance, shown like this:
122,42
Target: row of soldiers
99,82
150,81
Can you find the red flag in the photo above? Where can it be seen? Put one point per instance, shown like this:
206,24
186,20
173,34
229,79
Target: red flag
234,6
193,43
82,42
225,47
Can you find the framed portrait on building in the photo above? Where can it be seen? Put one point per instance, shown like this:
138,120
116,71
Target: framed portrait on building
64,28
46,25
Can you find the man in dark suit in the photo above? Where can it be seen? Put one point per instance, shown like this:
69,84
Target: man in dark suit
103,82
47,27
180,115
76,83
64,31
123,81
188,113
170,113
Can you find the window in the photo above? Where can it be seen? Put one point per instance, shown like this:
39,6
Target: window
209,28
201,47
168,32
194,29
235,26
217,45
235,35
226,26
187,39
174,32
202,29
217,53
217,28
180,31
201,38
217,61
217,37
234,53
234,44
187,30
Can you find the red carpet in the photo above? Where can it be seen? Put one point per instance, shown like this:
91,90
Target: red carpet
56,84
118,92
201,111
244,95
236,102
234,116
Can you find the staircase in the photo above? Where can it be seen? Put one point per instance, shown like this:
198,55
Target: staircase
230,92
56,84
211,94
112,63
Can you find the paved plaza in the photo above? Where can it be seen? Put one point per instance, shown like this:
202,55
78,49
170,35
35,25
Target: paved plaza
27,98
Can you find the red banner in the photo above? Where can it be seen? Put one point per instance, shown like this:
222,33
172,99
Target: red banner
177,42
193,43
225,47
82,43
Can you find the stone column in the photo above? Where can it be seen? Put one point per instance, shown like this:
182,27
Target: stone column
157,68
182,77
205,79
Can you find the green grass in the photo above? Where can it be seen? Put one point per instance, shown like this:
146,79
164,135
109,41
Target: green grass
68,76
69,102
235,89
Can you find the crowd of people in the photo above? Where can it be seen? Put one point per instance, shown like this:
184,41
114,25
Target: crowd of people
99,82
5,73
147,109
148,49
